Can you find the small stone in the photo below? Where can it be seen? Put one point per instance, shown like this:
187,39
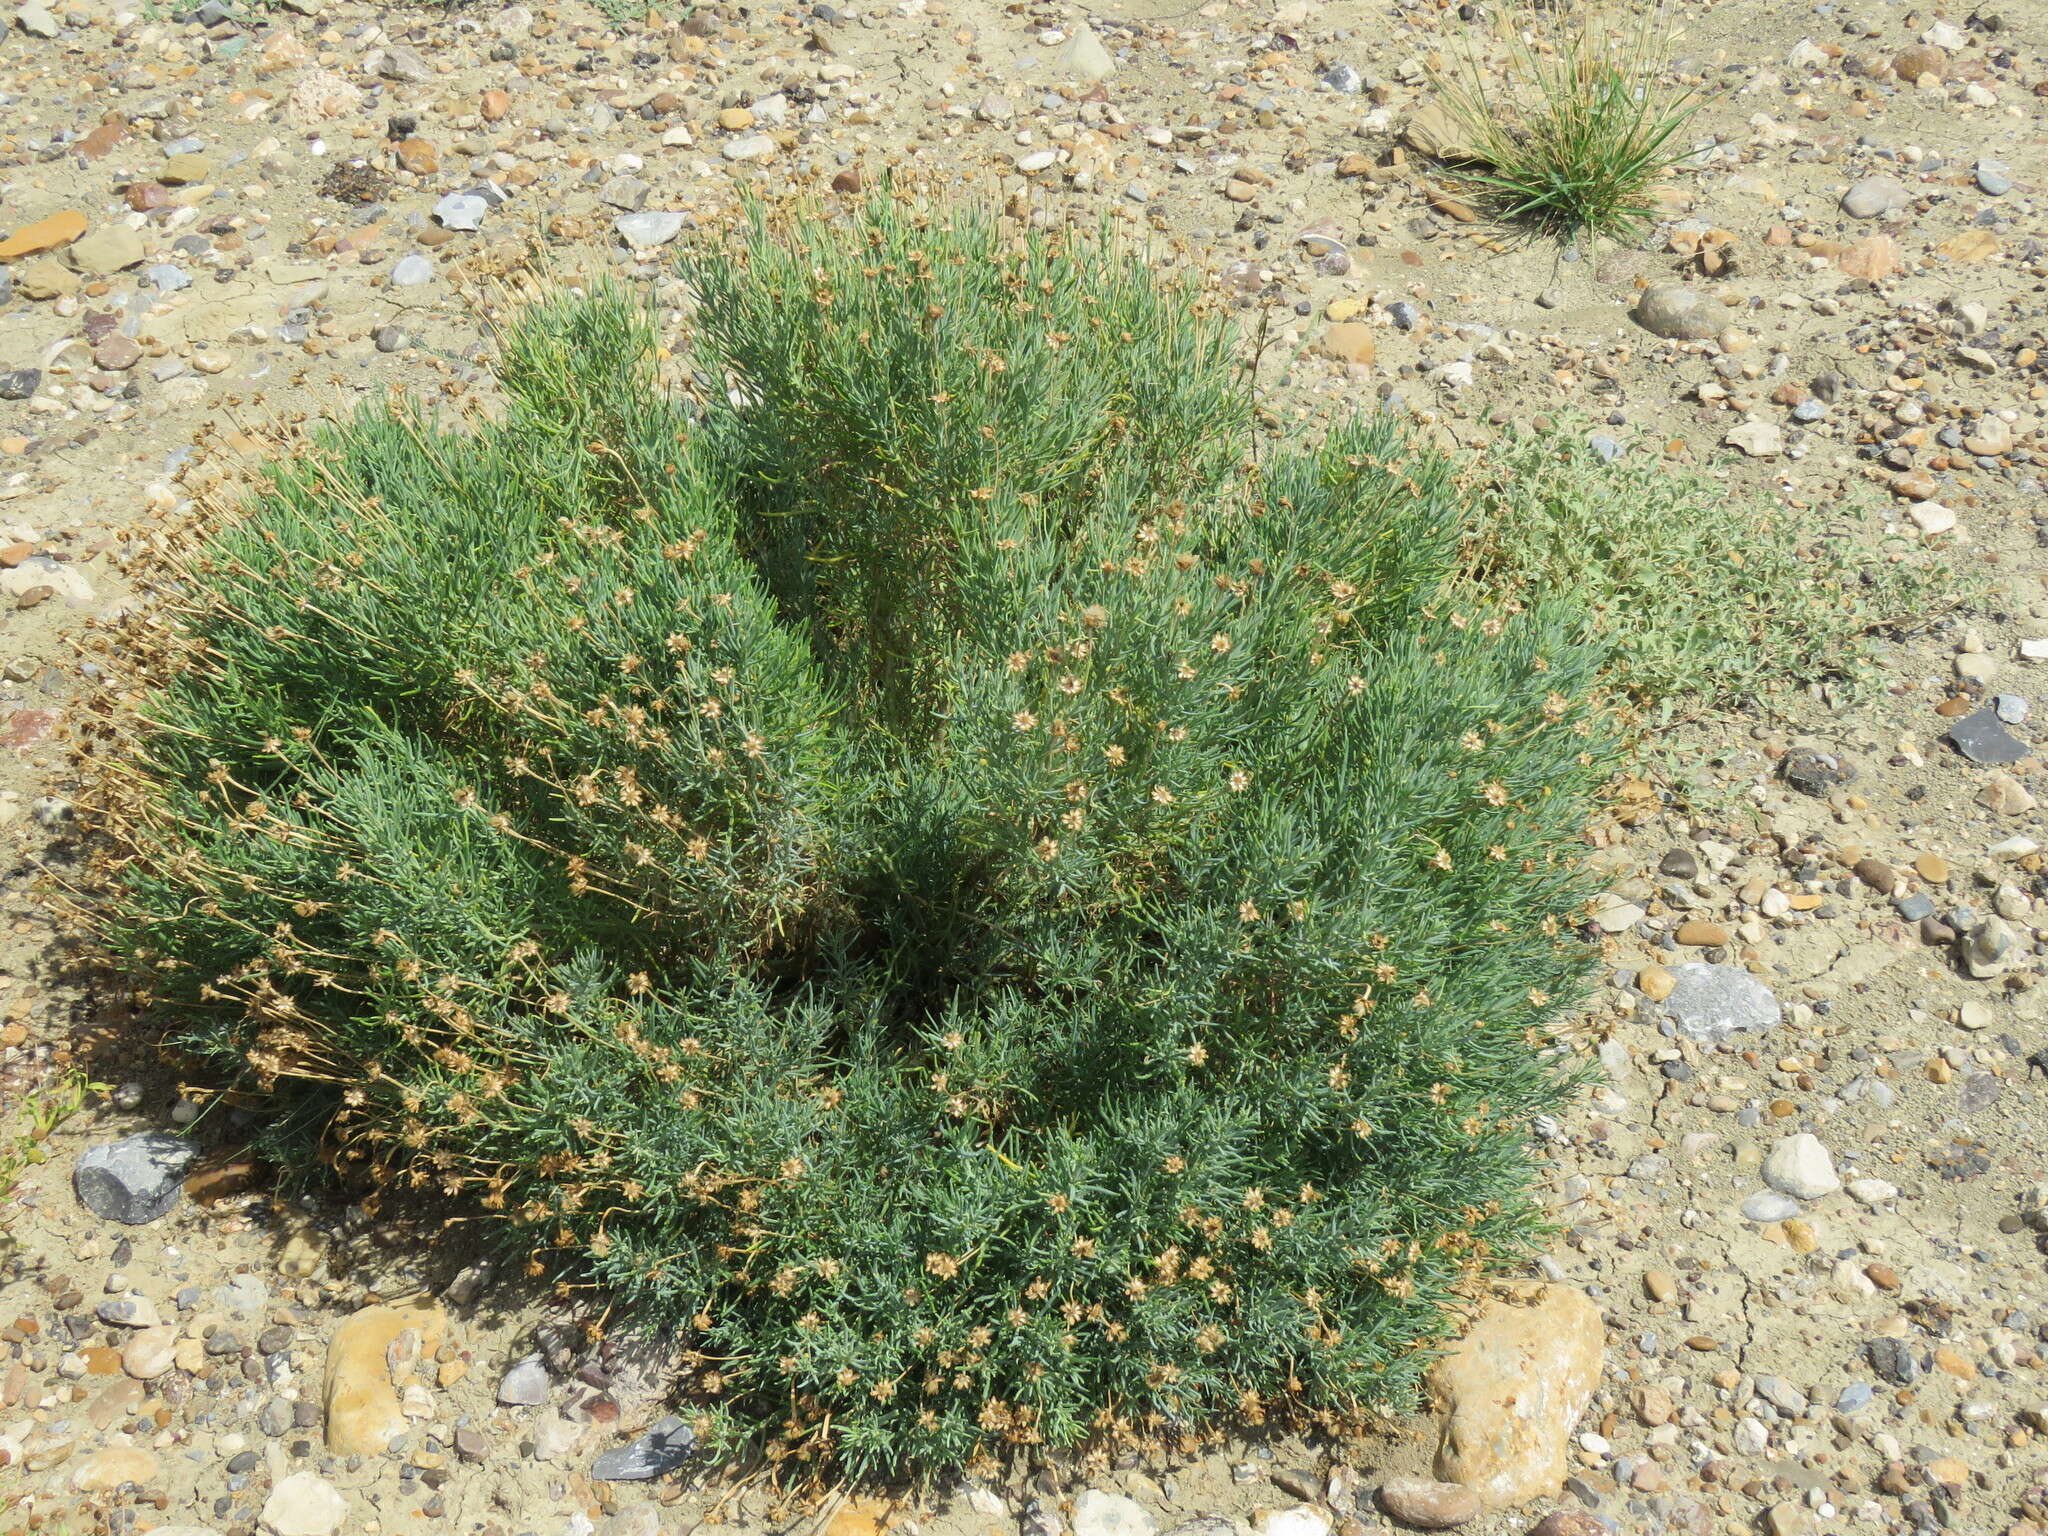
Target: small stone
1655,982
654,1454
1676,312
1084,57
1874,197
1910,63
361,1392
1872,1192
19,383
1712,1002
1570,1522
1426,1505
104,1471
1099,1513
1994,178
108,249
750,146
526,1384
1991,437
1768,1206
413,271
629,194
37,21
461,210
49,234
1700,934
1351,342
1815,773
1801,1166
1989,949
129,1312
493,105
417,156
150,1353
645,231
1893,1359
184,170
404,65
1873,259
1983,738
1878,875
1759,439
304,1504
135,1180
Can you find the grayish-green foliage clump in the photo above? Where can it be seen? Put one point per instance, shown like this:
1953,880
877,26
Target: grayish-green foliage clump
1702,595
921,865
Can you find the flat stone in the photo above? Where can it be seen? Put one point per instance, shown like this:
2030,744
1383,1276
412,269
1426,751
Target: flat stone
1994,178
150,1353
185,170
656,1453
1428,1506
304,1505
461,210
134,1180
1875,196
48,234
1983,738
362,1393
1758,439
37,21
1768,1205
107,250
645,231
526,1384
1511,1390
1712,1002
104,1471
1350,342
413,271
750,146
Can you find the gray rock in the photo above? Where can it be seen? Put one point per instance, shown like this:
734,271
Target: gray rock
1676,312
1769,1205
1343,79
526,1384
626,193
1875,196
1098,1512
749,146
390,338
36,21
461,210
404,65
1712,1002
412,271
1894,1360
1989,949
645,231
1605,447
1983,738
134,1180
1994,178
655,1454
2011,707
19,383
165,278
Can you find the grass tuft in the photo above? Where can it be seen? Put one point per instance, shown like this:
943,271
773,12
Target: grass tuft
1570,126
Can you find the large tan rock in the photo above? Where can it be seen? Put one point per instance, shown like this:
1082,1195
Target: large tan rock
1511,1389
372,1359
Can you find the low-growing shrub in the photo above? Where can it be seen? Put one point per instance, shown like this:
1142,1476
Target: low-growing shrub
904,853
1703,596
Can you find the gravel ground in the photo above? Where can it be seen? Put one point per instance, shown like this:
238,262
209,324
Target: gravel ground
1799,1287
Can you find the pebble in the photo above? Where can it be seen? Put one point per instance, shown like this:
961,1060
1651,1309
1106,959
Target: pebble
1874,197
412,271
1767,1205
460,211
304,1504
1427,1505
1677,313
1994,178
645,231
526,1385
1800,1166
135,1180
